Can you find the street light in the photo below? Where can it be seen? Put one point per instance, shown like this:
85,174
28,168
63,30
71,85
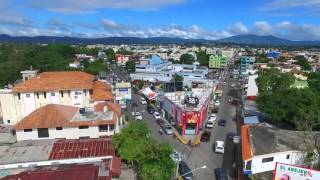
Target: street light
202,167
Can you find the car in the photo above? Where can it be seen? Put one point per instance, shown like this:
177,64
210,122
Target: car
224,83
210,123
205,136
175,156
160,122
143,101
167,129
213,116
219,147
184,170
230,135
150,109
222,122
156,115
138,116
221,174
217,103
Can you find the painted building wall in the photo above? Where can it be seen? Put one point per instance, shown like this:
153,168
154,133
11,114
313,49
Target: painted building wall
66,132
288,157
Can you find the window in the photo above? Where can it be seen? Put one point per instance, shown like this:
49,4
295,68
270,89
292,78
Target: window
69,93
83,127
19,96
59,128
111,127
43,132
84,137
53,94
37,95
90,91
288,156
103,128
85,92
269,159
248,165
8,121
45,95
27,95
27,130
61,93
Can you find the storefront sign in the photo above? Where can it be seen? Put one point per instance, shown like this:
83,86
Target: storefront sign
292,172
123,90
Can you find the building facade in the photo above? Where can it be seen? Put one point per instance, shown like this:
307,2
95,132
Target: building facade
217,61
246,63
122,91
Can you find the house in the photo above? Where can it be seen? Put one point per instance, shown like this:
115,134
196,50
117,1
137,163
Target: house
122,59
263,146
55,121
217,61
72,88
79,159
246,63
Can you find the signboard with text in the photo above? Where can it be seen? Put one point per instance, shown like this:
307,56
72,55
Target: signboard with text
291,172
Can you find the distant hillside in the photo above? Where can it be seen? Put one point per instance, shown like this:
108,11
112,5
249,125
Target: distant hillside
239,39
250,39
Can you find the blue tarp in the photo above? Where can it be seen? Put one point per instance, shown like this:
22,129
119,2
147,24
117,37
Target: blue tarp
273,54
251,120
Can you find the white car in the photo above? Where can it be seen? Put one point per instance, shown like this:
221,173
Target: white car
224,83
156,115
213,116
217,103
176,156
210,123
138,116
219,147
143,101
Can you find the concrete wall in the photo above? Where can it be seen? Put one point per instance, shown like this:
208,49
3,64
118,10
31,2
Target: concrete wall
66,132
295,157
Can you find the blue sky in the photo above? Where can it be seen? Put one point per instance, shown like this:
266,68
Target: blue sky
209,19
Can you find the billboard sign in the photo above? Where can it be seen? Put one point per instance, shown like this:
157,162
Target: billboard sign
292,172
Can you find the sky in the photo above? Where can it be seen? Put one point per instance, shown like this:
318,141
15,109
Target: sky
205,19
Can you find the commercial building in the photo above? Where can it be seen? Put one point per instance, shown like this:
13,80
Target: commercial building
246,63
217,61
59,121
122,59
72,88
189,110
122,91
80,159
263,146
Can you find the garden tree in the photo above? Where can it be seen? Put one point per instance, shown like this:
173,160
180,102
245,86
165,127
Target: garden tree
141,84
110,54
124,52
303,62
314,81
49,60
203,58
134,145
96,66
131,66
272,80
178,78
186,59
262,58
282,59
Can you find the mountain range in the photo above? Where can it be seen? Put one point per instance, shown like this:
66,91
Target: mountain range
247,39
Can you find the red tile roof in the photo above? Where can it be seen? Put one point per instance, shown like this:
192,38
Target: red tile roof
54,115
245,143
53,81
102,92
115,107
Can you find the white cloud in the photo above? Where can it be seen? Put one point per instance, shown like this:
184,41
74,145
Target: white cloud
262,28
238,28
275,5
93,6
108,23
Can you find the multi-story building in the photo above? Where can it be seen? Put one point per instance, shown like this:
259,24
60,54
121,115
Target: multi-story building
246,63
54,121
72,88
217,61
122,91
122,59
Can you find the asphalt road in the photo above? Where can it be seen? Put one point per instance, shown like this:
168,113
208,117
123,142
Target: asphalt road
203,154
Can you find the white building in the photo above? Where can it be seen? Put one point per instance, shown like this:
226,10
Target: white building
263,146
73,88
251,87
67,122
122,91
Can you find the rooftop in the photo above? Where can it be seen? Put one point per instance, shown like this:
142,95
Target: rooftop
54,115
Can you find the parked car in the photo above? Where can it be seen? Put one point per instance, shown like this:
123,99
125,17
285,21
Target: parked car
160,122
217,103
138,116
213,116
175,156
185,171
156,115
221,174
219,147
150,110
167,129
230,135
222,122
224,83
205,136
210,123
143,101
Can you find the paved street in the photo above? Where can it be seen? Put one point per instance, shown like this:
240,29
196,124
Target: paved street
203,154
